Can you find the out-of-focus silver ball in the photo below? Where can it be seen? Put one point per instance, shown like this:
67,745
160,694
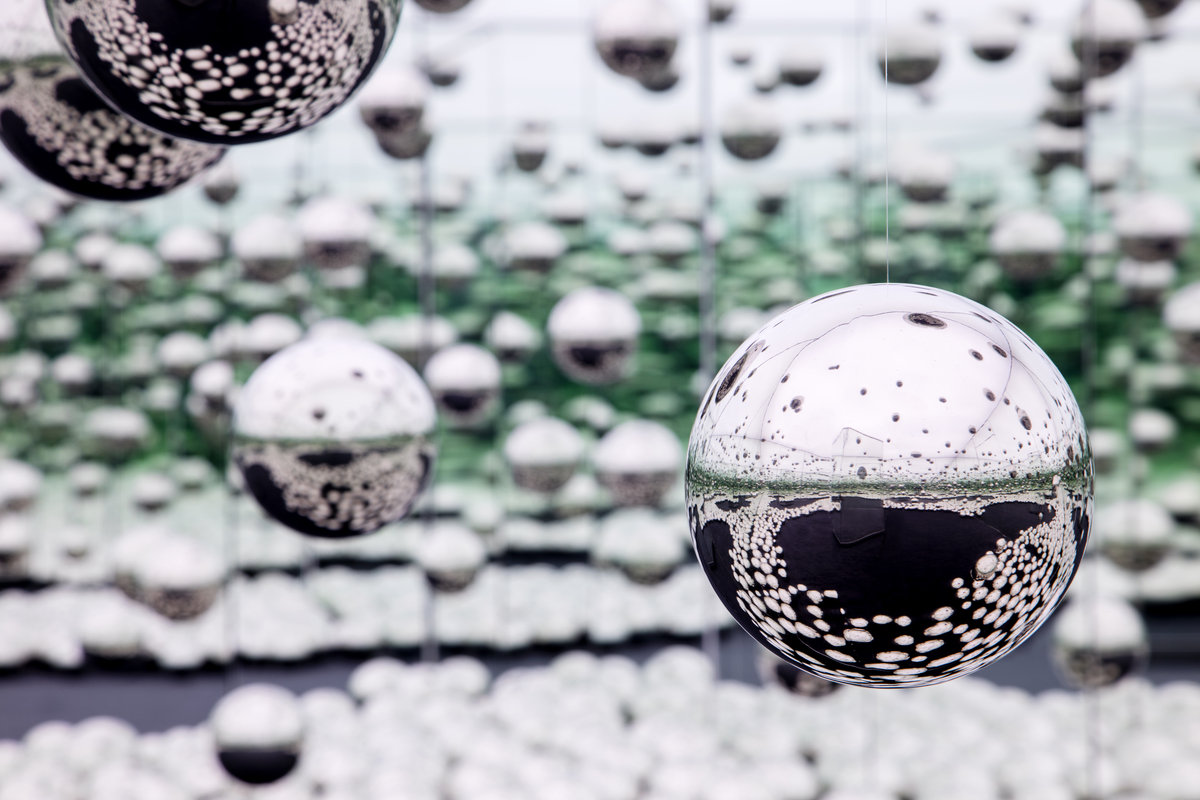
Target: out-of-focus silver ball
413,337
889,485
594,335
442,6
1134,534
451,555
336,232
638,462
114,434
636,38
1105,34
130,266
1098,640
1153,227
393,102
258,730
531,146
721,10
534,246
511,338
332,436
1055,147
774,671
801,64
268,247
751,131
639,543
671,241
187,250
465,382
909,54
995,38
225,73
543,454
1145,283
20,240
1181,316
1027,244
177,576
924,176
222,182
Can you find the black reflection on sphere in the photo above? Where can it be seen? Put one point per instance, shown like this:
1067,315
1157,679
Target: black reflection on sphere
56,126
225,72
258,767
896,586
336,492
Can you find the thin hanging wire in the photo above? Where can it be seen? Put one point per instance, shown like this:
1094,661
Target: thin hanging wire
887,159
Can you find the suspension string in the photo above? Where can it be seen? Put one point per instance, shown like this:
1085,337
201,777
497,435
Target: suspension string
887,158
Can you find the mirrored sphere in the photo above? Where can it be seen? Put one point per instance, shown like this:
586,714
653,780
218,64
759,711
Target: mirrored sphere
336,232
511,338
225,73
751,131
889,485
638,462
268,247
1098,640
1181,316
1027,244
57,127
910,54
1152,227
534,246
636,38
393,102
258,730
20,241
1134,534
333,436
465,382
178,576
442,6
451,555
188,249
543,454
594,335
995,38
1105,34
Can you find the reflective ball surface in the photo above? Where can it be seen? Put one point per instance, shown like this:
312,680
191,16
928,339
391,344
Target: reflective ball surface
465,382
225,72
543,454
1027,244
333,436
594,335
636,38
56,126
638,462
910,54
258,730
1098,640
889,485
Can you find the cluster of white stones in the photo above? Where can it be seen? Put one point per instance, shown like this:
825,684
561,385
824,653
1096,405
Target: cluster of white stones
606,728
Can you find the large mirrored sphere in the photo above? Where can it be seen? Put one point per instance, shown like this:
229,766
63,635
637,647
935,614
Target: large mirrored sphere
889,485
258,730
225,72
333,436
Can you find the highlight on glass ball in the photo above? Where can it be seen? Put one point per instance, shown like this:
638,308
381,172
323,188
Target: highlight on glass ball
334,437
889,485
226,74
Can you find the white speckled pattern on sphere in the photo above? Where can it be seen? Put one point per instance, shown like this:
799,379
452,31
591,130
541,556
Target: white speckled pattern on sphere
872,469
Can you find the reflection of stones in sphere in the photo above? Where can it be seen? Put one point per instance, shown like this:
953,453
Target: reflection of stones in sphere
889,485
226,73
336,490
57,127
595,363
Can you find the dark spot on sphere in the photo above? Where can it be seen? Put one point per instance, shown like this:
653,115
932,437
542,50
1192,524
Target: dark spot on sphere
318,413
862,391
899,383
895,417
797,403
1026,423
358,373
975,354
862,473
925,320
989,394
785,377
1000,350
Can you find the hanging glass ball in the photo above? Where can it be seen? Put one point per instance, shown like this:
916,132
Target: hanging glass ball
663,80
333,437
268,247
465,382
393,102
511,338
801,64
336,232
594,335
178,576
222,182
1098,640
924,176
1181,317
451,555
20,241
638,462
636,38
889,485
751,131
258,730
910,54
543,454
530,146
57,127
721,10
1135,534
225,73
1153,227
187,250
1156,9
534,246
995,38
637,542
1145,283
1027,244
1105,34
